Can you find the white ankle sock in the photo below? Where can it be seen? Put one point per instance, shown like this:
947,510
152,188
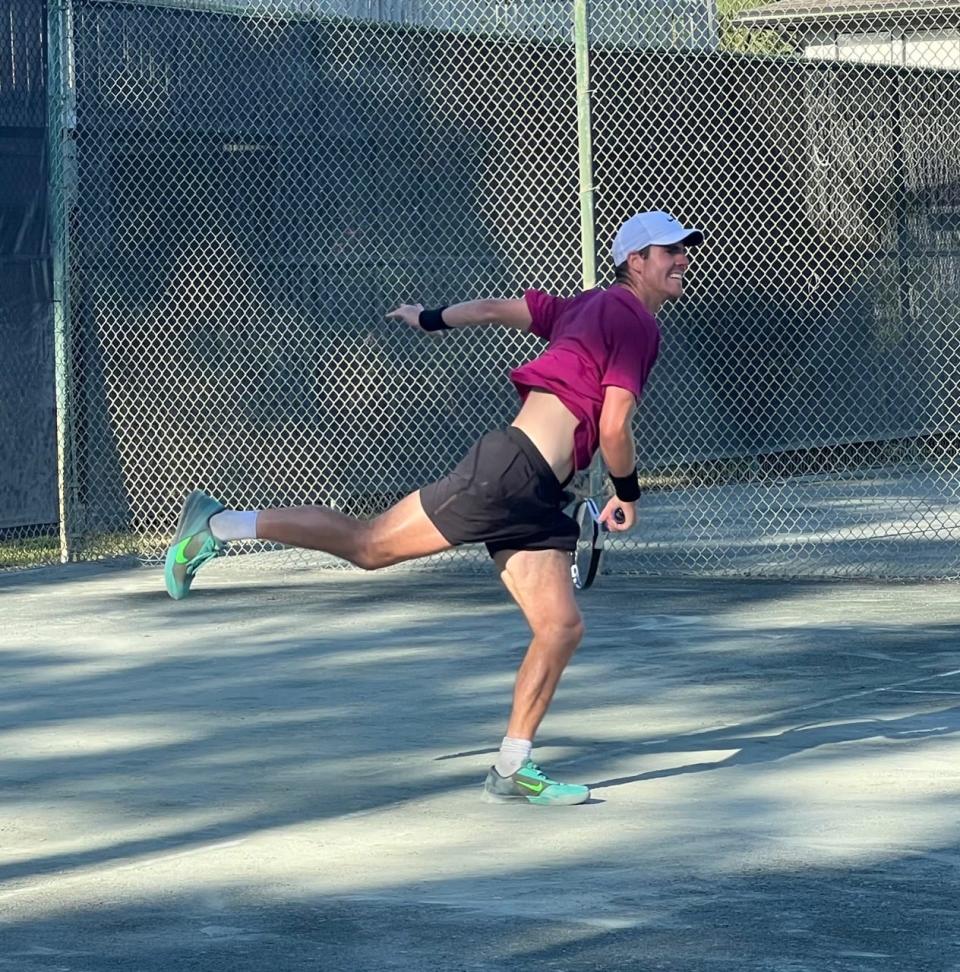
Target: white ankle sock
234,525
513,754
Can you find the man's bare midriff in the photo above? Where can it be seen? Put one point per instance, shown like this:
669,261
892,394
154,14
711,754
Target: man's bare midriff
550,426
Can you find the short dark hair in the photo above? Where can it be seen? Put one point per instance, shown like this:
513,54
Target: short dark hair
620,272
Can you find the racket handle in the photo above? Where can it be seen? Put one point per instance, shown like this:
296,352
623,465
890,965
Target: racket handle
618,515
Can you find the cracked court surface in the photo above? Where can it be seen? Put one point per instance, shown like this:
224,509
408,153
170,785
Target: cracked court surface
283,772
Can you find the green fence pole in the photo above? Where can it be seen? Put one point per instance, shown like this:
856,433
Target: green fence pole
588,238
581,34
61,122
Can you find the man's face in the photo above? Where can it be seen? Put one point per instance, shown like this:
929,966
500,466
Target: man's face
662,271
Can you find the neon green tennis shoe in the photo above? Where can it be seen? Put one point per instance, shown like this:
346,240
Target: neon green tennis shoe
193,544
532,785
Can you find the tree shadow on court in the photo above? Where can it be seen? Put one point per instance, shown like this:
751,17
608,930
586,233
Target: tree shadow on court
46,578
637,906
249,708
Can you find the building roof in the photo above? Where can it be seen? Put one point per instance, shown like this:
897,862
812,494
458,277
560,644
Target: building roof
798,12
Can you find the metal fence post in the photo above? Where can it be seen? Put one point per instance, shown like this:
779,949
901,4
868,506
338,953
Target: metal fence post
581,34
588,238
61,121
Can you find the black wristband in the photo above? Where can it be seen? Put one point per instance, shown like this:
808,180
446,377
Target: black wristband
626,487
432,320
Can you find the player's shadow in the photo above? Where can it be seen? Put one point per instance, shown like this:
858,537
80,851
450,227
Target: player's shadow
751,750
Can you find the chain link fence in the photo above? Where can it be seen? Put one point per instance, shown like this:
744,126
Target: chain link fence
242,189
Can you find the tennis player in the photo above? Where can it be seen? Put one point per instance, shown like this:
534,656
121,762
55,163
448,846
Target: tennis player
508,491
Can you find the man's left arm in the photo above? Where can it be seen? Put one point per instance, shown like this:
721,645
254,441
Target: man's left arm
508,313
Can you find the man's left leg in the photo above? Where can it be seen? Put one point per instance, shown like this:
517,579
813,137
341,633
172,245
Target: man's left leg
404,532
539,581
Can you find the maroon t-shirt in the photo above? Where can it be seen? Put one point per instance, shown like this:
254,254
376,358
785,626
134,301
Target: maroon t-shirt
597,338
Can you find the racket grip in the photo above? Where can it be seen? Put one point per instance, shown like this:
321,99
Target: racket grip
619,515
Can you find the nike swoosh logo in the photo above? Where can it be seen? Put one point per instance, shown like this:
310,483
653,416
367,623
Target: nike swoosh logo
531,786
181,546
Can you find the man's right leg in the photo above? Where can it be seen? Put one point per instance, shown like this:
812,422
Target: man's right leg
539,582
404,532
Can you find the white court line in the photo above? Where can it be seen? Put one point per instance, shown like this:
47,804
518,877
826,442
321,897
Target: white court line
96,871
816,705
631,747
927,692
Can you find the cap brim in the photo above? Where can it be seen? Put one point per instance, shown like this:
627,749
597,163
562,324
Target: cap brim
692,237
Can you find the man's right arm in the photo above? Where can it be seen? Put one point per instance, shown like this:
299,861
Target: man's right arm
508,313
618,450
616,430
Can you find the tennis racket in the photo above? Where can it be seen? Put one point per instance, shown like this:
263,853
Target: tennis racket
586,559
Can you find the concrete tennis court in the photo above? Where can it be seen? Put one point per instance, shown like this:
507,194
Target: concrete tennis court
282,773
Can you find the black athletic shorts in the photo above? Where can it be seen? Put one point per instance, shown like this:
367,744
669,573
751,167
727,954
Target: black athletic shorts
502,493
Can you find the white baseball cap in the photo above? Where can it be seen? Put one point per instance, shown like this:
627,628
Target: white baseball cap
651,229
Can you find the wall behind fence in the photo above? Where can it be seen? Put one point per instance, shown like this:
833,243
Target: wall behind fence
254,189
